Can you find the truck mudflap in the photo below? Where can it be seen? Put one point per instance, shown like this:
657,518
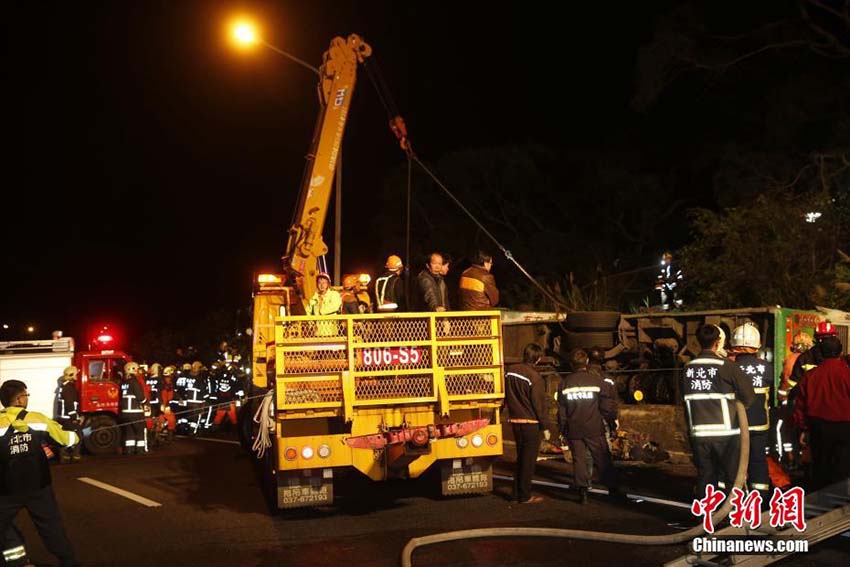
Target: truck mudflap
306,487
466,476
417,435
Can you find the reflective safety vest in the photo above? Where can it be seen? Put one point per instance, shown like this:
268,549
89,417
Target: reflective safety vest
132,396
23,464
709,391
761,373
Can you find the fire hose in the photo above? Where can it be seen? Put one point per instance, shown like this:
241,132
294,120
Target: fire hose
608,537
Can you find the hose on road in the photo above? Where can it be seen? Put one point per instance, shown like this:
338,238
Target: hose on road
608,537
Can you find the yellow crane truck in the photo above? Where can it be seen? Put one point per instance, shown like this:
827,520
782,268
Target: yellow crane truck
390,395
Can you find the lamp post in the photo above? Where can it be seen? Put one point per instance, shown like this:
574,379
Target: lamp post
246,35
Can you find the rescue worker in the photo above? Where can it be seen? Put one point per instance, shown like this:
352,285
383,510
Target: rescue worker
433,294
785,435
325,301
25,473
223,354
585,402
364,301
166,399
711,386
194,396
669,282
211,382
132,411
228,387
67,412
154,384
822,412
350,304
389,287
811,358
179,405
478,291
525,398
746,341
801,343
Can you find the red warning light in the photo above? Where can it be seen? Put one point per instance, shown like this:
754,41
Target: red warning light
104,339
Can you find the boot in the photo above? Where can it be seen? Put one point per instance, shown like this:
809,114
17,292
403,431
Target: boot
75,454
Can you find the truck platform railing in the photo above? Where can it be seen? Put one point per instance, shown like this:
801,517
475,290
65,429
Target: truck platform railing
340,362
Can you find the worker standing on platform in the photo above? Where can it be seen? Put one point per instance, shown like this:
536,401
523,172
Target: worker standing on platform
389,287
478,291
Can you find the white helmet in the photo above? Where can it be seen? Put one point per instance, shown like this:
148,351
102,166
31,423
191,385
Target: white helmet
746,335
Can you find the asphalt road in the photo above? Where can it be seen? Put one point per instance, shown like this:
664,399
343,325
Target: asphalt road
211,512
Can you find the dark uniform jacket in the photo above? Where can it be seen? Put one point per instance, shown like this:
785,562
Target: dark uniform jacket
389,289
525,394
761,374
432,290
132,396
154,385
67,402
711,386
478,291
585,401
23,464
805,362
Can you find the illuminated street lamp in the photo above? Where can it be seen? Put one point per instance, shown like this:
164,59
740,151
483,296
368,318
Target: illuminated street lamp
5,326
246,35
30,329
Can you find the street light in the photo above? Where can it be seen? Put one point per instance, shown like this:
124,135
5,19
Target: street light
30,329
244,33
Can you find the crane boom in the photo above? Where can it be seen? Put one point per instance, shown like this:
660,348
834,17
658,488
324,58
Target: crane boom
338,75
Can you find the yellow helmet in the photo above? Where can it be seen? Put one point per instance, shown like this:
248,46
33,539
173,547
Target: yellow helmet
131,368
364,279
394,263
802,342
168,371
155,369
349,281
70,373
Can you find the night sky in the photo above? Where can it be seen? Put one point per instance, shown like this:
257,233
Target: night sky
150,169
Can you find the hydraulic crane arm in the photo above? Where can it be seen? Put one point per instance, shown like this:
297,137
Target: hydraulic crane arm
338,75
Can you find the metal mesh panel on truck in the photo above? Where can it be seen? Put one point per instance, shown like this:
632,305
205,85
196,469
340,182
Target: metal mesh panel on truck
467,384
312,392
466,327
315,329
449,356
380,387
315,360
390,330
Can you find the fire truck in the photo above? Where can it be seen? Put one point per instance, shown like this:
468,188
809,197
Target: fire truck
40,363
388,395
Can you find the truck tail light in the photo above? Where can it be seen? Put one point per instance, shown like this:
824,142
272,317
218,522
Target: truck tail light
477,441
324,451
492,439
307,452
462,442
290,454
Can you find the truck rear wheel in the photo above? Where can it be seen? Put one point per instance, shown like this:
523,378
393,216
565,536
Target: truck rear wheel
105,437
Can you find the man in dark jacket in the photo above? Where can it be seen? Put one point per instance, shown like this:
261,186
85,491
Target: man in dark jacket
432,288
478,291
710,387
67,412
132,414
525,398
822,412
25,473
585,402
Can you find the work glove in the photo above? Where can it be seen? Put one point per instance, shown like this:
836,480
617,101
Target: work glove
546,434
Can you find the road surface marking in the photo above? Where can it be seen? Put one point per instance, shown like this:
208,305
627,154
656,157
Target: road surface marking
228,441
120,492
635,497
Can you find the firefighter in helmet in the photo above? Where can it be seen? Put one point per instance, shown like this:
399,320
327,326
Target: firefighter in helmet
389,287
746,342
168,407
133,402
68,412
349,298
811,358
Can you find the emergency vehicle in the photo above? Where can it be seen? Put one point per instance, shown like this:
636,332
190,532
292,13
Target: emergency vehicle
388,395
39,364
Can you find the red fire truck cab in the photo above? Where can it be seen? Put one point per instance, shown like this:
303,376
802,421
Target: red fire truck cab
99,386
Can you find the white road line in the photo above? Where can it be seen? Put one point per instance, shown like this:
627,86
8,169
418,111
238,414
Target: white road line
120,492
635,497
